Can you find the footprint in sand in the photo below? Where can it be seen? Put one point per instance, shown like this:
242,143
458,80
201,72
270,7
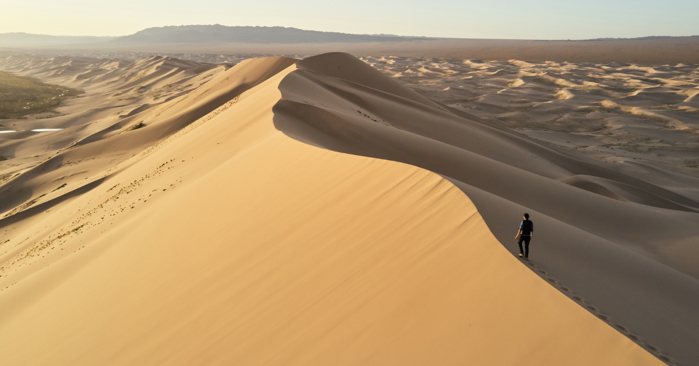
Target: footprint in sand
665,359
604,318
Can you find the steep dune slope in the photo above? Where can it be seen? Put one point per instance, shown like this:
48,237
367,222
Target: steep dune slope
231,243
630,261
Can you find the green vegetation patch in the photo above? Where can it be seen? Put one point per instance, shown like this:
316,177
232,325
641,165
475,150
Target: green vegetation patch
135,126
59,187
20,96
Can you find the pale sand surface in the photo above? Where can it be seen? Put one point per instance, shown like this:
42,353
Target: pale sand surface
210,237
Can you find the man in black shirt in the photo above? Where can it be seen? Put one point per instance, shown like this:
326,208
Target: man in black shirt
525,234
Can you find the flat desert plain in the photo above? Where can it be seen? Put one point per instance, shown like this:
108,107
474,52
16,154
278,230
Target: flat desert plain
341,211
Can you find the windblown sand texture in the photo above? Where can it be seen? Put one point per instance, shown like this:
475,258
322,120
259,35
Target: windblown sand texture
231,228
608,112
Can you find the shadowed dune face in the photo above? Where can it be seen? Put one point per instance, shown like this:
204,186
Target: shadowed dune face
597,221
207,235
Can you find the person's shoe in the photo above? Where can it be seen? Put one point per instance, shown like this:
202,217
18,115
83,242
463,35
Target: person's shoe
527,258
521,255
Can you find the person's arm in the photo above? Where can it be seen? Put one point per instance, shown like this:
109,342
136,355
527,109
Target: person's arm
531,233
520,230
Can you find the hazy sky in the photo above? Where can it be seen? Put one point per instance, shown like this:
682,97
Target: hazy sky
534,19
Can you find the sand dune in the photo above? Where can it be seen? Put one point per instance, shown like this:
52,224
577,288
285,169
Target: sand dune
231,227
589,238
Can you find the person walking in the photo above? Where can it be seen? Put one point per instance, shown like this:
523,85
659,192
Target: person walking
525,234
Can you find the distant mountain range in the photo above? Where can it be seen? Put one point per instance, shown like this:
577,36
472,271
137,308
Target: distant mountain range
224,34
201,34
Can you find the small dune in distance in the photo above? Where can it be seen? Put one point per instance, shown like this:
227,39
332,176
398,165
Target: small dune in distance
257,199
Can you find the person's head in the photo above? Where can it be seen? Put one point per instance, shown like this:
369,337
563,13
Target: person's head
526,216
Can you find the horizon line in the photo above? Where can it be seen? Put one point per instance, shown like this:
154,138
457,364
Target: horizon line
361,34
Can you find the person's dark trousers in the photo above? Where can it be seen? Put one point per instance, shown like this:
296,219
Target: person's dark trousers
524,239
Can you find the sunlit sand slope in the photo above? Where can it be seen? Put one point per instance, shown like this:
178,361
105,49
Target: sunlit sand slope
231,243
